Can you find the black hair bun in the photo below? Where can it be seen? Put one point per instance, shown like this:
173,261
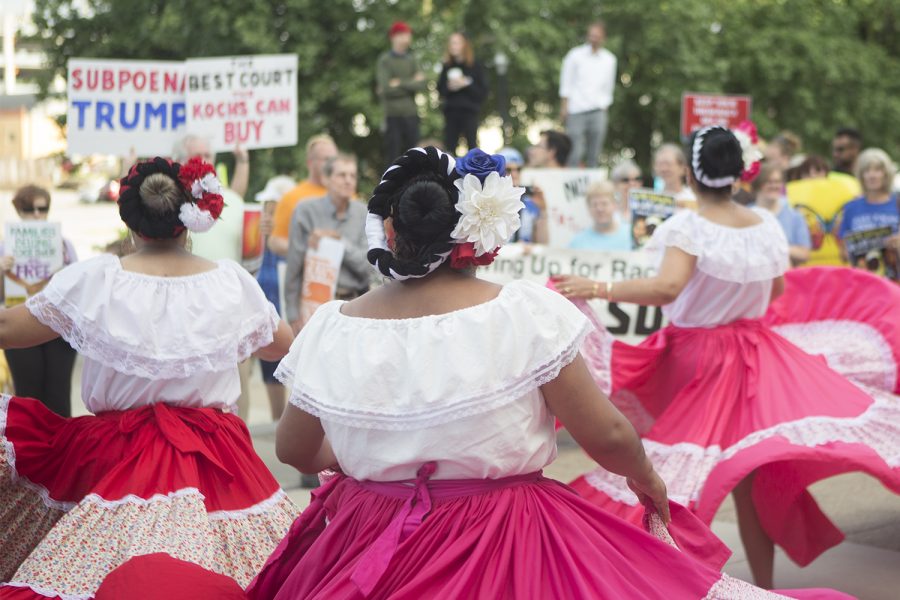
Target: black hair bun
425,211
721,154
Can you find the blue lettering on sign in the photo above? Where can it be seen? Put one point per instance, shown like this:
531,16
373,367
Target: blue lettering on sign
104,115
179,114
123,119
81,105
151,111
129,116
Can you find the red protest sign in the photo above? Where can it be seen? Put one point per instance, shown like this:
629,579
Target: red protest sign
702,110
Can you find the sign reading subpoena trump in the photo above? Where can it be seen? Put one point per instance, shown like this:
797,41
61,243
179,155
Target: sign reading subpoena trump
116,106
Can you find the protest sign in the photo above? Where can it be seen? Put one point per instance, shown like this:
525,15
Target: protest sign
252,239
249,101
321,268
37,248
868,250
648,210
115,106
702,110
564,193
537,263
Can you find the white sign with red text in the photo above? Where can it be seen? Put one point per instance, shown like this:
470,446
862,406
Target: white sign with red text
564,193
538,263
249,101
116,106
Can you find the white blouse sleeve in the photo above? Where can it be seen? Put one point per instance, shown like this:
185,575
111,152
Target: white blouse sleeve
738,255
157,327
411,373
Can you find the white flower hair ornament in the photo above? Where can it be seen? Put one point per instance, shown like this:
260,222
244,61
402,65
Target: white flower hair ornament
745,134
199,179
489,209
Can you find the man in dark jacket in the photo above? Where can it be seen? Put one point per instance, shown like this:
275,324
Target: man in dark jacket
399,79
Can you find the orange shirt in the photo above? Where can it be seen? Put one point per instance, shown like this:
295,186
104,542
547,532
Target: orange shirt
284,210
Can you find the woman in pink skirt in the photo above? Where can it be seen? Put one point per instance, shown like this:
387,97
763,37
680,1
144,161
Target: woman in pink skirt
435,397
723,403
163,465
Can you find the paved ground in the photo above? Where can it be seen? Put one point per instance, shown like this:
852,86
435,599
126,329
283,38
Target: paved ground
867,564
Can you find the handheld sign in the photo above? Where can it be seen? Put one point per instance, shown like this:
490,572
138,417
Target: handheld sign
115,106
320,274
37,248
565,196
243,100
702,110
648,210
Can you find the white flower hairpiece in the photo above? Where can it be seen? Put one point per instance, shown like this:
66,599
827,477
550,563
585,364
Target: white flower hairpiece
490,211
750,151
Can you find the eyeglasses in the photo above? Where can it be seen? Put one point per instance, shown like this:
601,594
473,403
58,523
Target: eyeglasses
38,210
512,169
629,179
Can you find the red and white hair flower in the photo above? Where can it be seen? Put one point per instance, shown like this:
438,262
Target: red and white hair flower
746,134
198,178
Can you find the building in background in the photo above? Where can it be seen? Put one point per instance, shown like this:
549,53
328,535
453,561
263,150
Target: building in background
31,140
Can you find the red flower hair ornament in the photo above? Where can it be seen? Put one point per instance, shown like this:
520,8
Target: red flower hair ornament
199,179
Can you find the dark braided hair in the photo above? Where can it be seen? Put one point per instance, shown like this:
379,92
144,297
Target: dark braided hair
418,194
720,158
155,216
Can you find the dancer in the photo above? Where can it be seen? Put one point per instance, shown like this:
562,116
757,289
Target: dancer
164,464
723,403
437,392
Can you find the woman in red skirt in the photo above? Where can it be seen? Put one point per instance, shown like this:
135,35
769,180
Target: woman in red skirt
723,403
436,394
163,464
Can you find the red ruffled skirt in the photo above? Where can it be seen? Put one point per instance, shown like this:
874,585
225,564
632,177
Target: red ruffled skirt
81,496
521,537
715,405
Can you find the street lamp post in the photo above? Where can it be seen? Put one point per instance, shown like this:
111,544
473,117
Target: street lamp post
501,63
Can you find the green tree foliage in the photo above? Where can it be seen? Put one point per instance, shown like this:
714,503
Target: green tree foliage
810,65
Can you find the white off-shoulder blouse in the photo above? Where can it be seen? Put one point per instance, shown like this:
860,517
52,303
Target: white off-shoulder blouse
735,267
461,389
148,339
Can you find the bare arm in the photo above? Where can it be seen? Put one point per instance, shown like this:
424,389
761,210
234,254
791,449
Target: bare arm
20,329
674,274
777,288
280,345
799,255
300,442
278,245
603,432
241,178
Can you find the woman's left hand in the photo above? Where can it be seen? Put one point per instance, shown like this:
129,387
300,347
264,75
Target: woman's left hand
572,286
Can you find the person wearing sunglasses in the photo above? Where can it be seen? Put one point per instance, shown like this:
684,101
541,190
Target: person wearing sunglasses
45,371
625,176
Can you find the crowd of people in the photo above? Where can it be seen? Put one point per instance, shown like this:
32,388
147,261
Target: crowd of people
423,402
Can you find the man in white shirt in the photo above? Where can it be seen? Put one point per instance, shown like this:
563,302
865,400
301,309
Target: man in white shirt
586,86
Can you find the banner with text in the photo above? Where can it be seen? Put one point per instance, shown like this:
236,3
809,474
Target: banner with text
115,106
702,110
537,263
245,100
37,248
564,192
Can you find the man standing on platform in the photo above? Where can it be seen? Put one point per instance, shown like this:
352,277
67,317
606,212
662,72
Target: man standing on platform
399,79
586,87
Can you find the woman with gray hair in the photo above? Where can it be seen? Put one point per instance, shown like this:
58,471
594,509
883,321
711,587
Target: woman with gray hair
876,209
625,176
